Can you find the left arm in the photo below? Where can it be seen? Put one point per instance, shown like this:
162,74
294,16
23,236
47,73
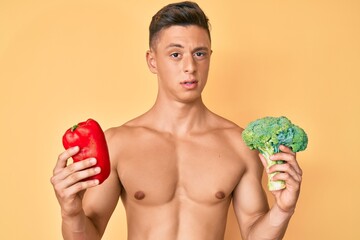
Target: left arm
255,219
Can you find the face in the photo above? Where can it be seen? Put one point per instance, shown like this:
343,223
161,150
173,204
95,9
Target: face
181,57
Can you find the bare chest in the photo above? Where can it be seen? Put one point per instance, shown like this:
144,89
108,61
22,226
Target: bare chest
156,171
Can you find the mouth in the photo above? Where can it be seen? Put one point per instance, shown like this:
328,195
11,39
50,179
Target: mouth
189,82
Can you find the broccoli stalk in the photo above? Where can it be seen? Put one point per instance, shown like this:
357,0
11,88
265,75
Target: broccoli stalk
267,152
267,134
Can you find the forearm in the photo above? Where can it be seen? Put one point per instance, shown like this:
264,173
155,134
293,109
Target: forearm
79,228
272,225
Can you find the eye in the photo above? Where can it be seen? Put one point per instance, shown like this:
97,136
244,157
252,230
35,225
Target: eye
200,54
175,55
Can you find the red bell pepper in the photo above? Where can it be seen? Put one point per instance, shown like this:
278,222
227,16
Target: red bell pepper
90,138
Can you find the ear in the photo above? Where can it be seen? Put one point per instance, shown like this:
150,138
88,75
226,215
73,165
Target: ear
151,61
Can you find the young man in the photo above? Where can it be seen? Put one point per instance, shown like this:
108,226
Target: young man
177,167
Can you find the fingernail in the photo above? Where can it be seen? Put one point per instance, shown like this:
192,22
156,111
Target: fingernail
97,169
93,160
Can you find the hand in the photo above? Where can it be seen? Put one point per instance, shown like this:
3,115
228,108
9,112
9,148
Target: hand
291,173
68,181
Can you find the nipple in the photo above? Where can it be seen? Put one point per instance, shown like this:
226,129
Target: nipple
220,195
139,195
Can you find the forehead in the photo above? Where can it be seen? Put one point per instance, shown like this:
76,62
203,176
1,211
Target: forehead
191,35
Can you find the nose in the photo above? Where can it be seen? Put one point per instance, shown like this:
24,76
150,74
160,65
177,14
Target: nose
189,64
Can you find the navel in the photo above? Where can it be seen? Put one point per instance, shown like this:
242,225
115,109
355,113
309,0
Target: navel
220,195
139,195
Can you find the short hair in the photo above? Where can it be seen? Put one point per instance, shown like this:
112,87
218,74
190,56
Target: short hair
178,14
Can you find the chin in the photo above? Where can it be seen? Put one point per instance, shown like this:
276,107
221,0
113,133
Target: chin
190,99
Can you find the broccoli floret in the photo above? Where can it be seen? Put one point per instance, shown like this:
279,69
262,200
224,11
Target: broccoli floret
267,134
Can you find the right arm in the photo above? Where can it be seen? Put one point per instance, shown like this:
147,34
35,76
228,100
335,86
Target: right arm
85,209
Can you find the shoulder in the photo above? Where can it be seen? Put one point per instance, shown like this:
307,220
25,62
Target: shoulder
232,133
125,132
228,129
123,137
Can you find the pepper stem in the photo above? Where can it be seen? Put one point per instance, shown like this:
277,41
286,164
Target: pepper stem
74,127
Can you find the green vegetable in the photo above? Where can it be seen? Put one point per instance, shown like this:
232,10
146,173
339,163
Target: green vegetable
267,134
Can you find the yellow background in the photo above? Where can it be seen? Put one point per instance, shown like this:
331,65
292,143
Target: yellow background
64,61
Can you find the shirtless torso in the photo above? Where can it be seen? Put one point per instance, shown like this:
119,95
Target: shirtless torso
178,187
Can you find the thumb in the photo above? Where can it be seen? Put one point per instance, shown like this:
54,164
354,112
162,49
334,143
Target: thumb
263,160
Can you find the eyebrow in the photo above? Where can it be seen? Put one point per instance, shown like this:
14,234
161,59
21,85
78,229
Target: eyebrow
176,45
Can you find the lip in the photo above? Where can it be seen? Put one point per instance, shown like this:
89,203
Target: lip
189,84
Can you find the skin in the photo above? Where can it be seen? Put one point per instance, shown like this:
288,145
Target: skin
178,166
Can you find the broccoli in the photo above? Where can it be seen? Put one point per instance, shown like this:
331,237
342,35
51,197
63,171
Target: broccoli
267,134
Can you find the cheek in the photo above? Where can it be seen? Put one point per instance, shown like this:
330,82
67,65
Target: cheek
168,69
204,70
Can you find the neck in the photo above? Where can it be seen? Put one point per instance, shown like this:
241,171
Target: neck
179,118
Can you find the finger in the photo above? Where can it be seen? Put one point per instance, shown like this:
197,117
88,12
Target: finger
76,167
63,158
286,149
286,168
80,176
74,179
283,157
289,180
78,187
289,158
263,160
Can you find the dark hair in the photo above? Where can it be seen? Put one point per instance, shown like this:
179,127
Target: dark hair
178,14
